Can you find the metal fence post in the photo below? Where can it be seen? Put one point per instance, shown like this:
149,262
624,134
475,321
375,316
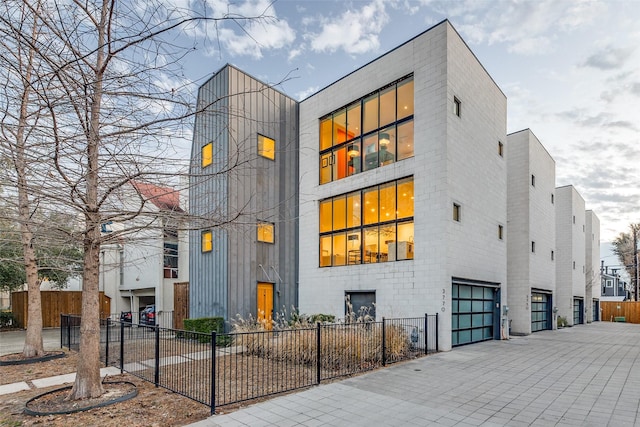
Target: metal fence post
61,330
157,373
106,346
437,346
213,372
318,353
426,333
384,343
69,331
121,347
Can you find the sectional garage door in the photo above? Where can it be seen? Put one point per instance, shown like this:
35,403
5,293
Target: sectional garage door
474,316
540,311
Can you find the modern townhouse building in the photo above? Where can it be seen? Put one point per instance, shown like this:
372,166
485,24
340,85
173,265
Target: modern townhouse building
243,198
143,257
403,190
531,238
592,266
570,256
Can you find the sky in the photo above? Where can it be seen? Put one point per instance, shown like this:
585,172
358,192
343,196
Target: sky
570,70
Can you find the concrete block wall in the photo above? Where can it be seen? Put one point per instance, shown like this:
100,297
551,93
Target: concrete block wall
455,159
592,259
570,244
531,218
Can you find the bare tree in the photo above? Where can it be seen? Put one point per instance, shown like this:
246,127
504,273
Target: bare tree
111,96
625,246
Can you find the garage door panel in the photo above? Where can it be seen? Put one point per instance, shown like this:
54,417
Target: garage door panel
472,313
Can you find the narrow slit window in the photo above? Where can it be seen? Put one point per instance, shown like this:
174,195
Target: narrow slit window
500,232
457,212
207,241
457,107
533,247
500,149
207,154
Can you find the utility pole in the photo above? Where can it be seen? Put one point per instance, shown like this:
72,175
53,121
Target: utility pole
634,229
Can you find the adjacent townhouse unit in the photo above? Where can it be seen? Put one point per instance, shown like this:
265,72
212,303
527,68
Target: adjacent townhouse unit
613,286
403,190
147,254
592,266
570,257
531,238
243,199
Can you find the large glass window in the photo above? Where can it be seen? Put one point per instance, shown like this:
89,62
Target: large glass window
368,226
374,131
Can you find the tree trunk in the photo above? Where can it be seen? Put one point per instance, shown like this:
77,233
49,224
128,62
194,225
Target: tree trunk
33,345
87,383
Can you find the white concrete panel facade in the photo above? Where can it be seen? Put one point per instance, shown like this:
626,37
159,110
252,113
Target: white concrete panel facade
592,259
532,233
570,244
455,160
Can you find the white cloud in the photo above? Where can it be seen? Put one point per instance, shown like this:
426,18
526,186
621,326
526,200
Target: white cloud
609,58
305,93
250,28
354,31
526,27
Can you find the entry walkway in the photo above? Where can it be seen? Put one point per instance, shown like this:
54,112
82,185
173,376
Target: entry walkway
588,375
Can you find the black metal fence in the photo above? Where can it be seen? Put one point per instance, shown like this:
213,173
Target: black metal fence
221,369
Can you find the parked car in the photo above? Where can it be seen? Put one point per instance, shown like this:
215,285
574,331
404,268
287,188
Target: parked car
126,317
148,315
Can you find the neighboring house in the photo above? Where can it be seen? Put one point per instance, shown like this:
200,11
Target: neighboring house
244,194
592,270
571,249
140,267
531,238
403,190
613,287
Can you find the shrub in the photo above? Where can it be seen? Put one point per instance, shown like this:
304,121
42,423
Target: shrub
7,319
206,325
562,322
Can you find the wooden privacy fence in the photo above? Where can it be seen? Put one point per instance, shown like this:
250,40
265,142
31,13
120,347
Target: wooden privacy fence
630,310
54,303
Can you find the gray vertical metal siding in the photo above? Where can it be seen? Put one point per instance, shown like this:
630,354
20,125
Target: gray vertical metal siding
208,201
258,189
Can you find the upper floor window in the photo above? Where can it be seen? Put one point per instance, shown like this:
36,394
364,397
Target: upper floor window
266,232
368,226
207,241
374,131
552,199
500,149
533,247
266,147
457,106
500,232
207,154
170,260
457,212
533,180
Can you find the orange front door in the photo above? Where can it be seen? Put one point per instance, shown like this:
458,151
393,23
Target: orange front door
265,304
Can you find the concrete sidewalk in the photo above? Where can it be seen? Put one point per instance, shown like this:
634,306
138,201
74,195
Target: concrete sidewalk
588,375
13,341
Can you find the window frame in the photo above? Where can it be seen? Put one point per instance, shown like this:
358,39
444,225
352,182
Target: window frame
206,158
206,241
457,212
263,226
262,151
349,155
384,232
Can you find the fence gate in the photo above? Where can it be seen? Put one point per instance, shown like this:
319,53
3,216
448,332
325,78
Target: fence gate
180,303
